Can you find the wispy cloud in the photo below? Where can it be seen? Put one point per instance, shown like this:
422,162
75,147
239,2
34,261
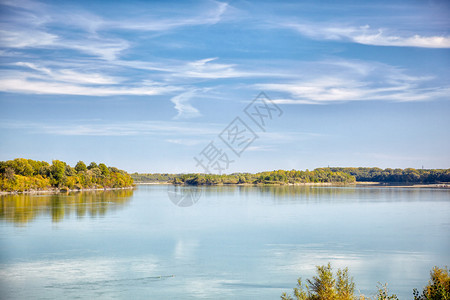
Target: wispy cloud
68,75
31,24
27,86
340,81
98,44
182,105
173,130
187,142
207,68
368,36
260,149
208,16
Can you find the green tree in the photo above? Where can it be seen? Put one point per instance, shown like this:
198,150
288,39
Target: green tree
104,169
80,166
9,173
21,166
92,165
69,171
58,170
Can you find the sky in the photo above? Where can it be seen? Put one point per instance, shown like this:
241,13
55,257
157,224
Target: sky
215,86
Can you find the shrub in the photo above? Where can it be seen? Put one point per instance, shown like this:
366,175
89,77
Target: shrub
325,286
438,287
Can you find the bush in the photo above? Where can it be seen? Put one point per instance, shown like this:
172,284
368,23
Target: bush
438,287
325,286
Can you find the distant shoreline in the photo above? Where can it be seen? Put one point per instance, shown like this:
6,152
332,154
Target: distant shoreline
359,183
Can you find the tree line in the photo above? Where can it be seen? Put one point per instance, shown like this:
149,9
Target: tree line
153,177
23,174
321,175
406,176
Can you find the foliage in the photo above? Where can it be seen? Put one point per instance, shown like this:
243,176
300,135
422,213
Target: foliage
272,177
156,177
92,165
408,175
80,166
25,174
438,287
382,294
325,286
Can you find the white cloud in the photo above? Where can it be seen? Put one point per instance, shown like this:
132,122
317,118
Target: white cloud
207,68
91,78
354,81
36,25
261,148
208,16
182,105
28,27
25,86
186,142
68,75
31,24
108,49
26,38
173,130
368,36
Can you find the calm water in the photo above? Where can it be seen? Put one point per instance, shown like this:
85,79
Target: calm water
235,243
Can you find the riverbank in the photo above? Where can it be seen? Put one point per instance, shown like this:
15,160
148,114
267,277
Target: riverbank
358,183
445,185
57,191
244,184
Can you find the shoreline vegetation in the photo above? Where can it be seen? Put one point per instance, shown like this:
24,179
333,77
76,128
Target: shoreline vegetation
340,286
439,178
29,176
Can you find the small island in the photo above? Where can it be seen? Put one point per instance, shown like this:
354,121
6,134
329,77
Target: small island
27,175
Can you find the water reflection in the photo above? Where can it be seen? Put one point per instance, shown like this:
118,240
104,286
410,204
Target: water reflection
283,194
275,190
184,196
23,208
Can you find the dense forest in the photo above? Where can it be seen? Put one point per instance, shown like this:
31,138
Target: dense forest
397,175
23,174
272,177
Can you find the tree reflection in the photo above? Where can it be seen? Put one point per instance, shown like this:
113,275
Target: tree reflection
282,194
23,208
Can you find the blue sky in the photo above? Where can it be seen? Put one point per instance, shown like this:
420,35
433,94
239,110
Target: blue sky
147,85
